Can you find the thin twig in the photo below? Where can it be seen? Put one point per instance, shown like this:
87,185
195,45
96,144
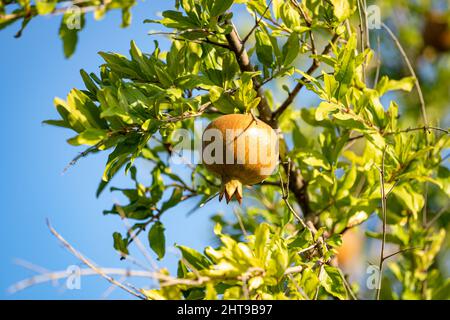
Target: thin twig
436,217
411,70
136,239
398,252
347,286
366,24
299,289
384,214
362,35
241,224
111,289
91,265
63,274
285,196
307,249
257,22
389,133
316,295
377,71
308,24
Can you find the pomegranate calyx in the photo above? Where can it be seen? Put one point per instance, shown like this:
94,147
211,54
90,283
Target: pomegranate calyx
231,187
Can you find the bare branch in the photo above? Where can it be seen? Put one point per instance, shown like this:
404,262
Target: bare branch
136,239
241,224
411,70
58,275
384,215
389,133
244,40
285,196
398,252
91,265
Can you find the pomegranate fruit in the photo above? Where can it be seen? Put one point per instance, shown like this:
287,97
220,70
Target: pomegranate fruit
348,253
436,33
240,149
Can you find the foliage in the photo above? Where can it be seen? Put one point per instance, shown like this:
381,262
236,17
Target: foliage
337,155
73,15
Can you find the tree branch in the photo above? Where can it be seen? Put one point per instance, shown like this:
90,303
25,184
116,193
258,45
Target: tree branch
384,215
243,60
92,266
297,184
413,73
63,274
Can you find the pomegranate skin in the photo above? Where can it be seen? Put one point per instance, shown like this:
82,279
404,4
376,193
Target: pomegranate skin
250,152
350,251
436,33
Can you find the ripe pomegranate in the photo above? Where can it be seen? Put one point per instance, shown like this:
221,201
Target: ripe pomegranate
348,253
240,149
436,33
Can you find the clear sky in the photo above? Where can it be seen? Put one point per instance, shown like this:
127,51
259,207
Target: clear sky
34,71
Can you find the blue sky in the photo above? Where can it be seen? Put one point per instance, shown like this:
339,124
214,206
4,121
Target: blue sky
33,72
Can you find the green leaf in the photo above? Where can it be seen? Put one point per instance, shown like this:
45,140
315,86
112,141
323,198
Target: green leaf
335,240
117,159
176,20
157,189
89,137
120,244
175,198
385,84
313,158
72,22
345,66
262,235
126,17
291,49
57,123
350,121
157,240
88,82
443,292
342,9
142,61
374,106
101,186
220,6
121,65
264,49
309,282
222,100
331,280
391,238
411,199
324,109
330,85
45,6
194,258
